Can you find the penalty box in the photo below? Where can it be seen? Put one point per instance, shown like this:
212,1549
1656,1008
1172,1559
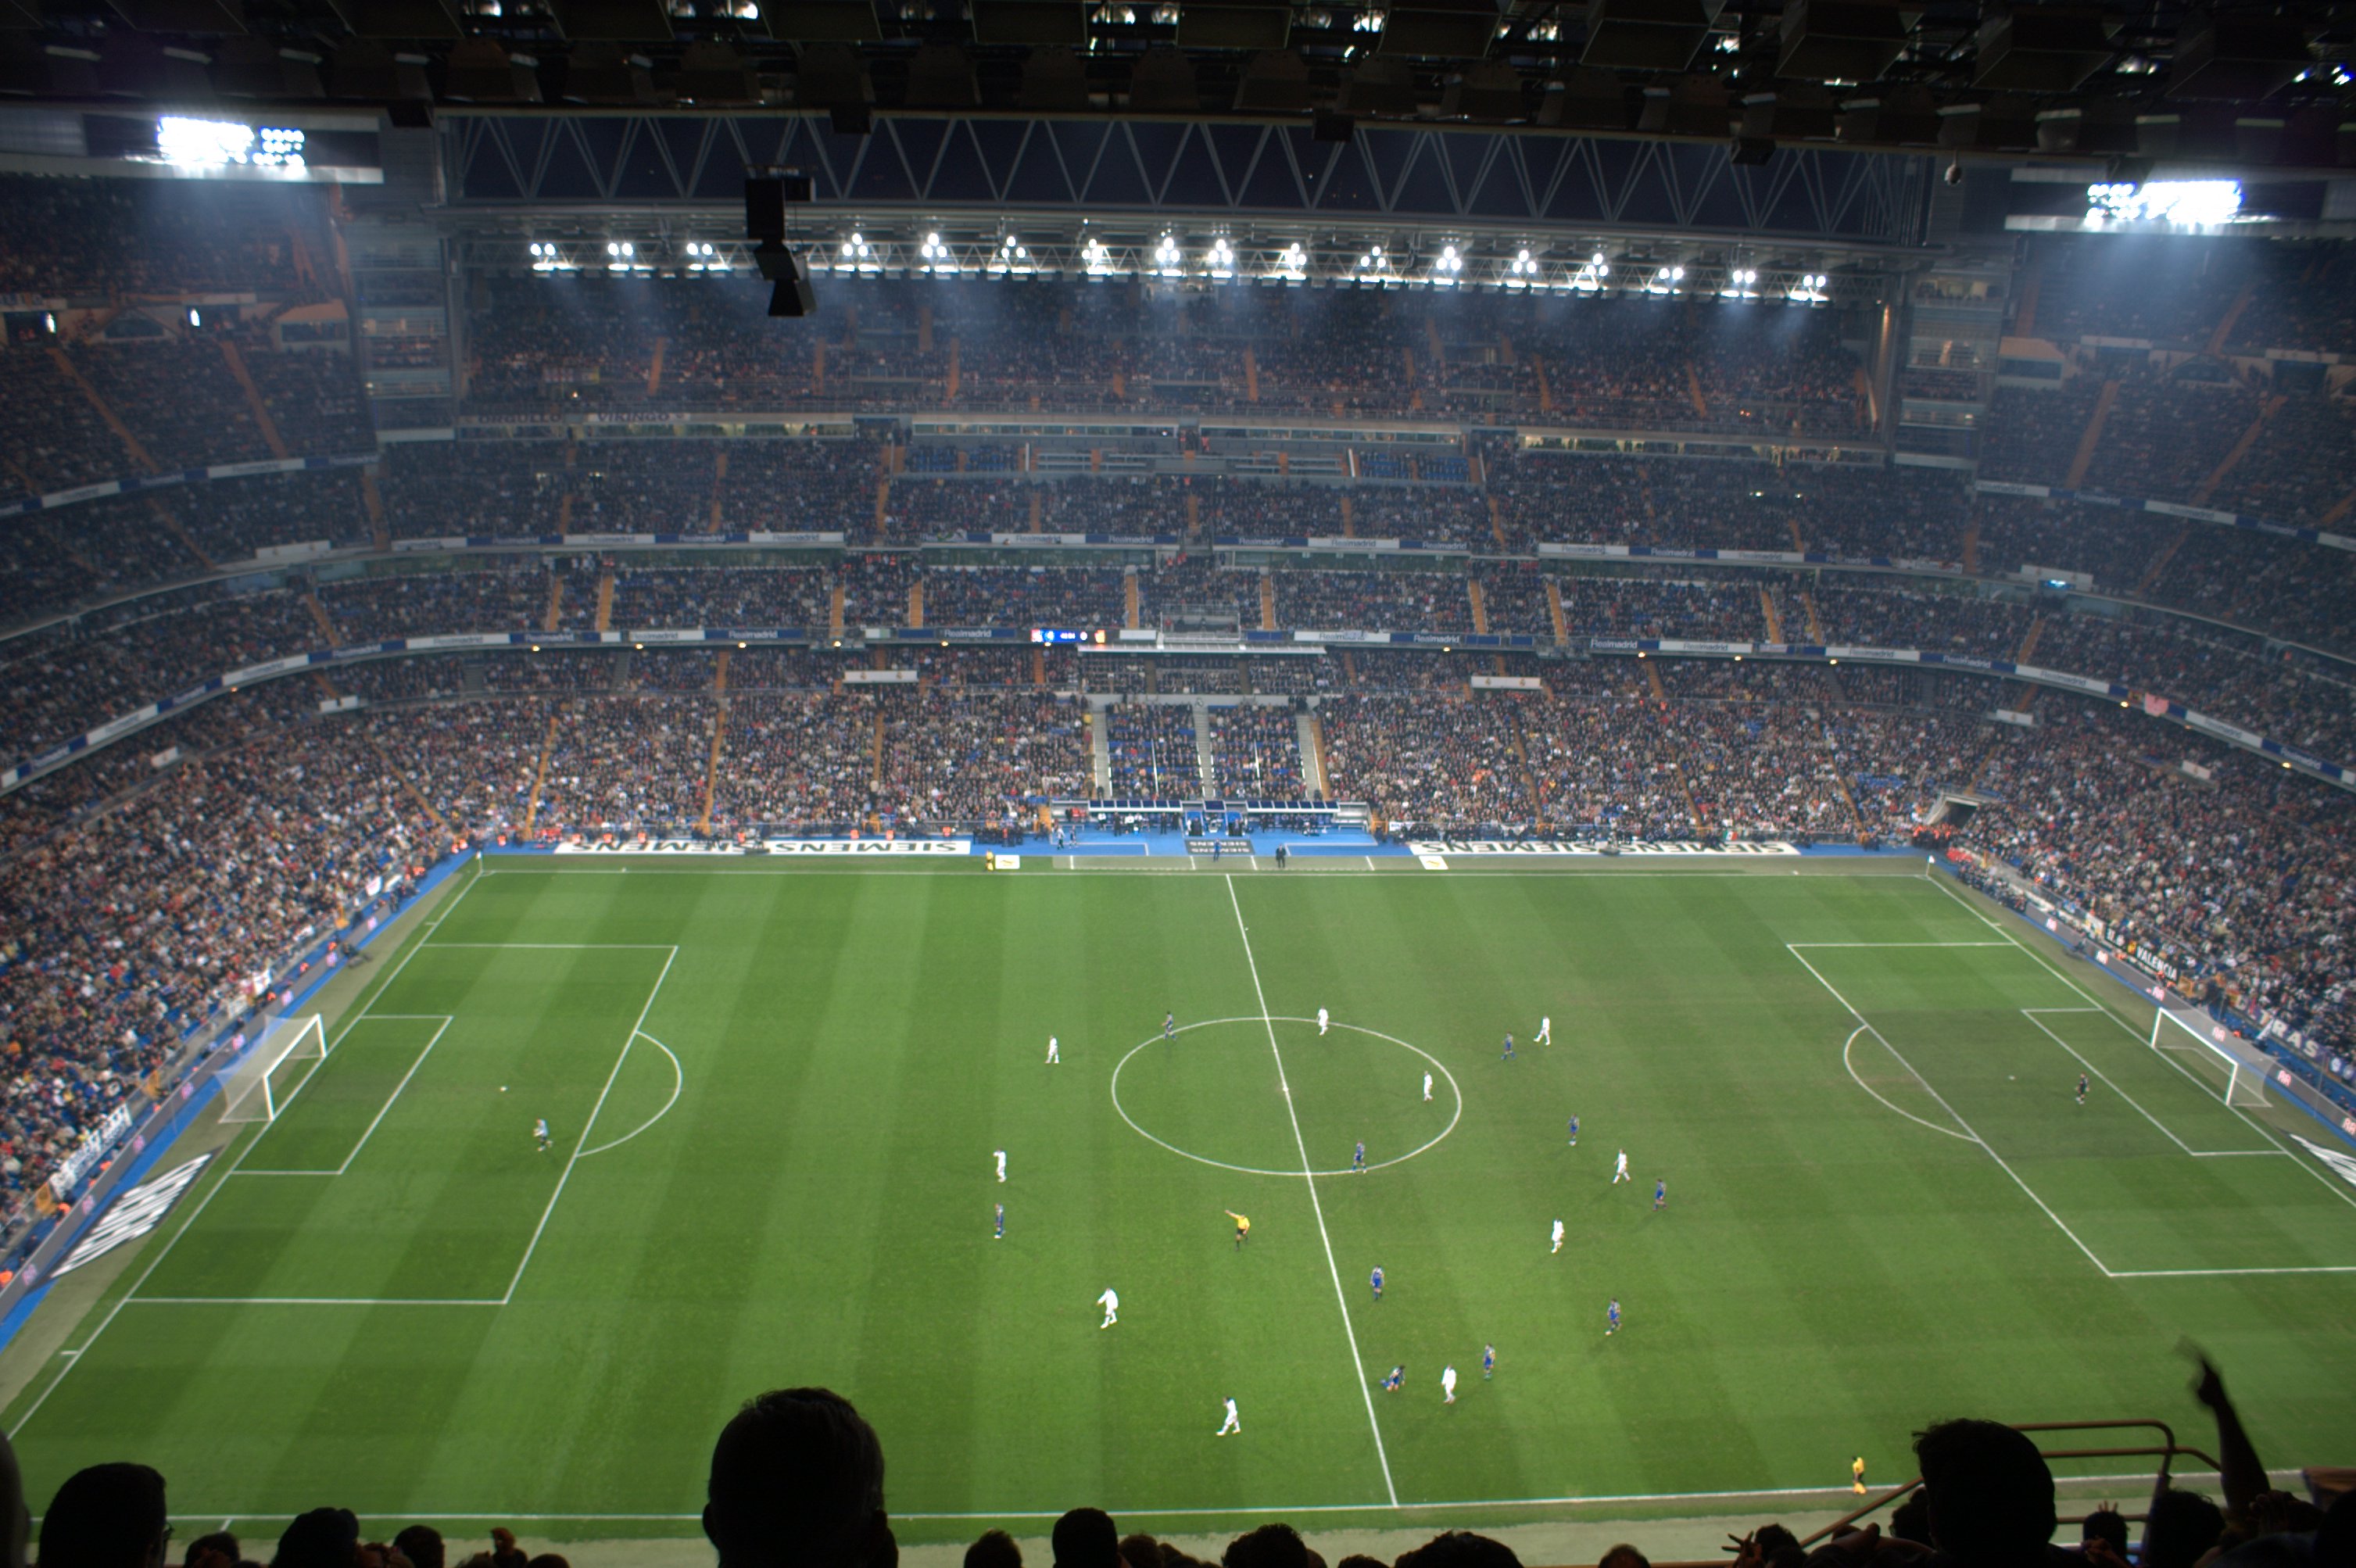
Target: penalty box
405,1157
2166,1170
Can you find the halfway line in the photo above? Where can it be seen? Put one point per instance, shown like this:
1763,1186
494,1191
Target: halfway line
1309,1175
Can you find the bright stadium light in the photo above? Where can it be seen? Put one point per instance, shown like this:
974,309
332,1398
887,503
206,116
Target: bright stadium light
2180,203
1291,264
211,144
1522,272
1165,256
934,256
1449,270
1220,261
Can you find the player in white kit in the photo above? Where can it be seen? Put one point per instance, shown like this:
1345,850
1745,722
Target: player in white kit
1621,1173
1545,1036
1054,1059
1233,1423
1427,1086
1321,1020
1002,1165
1558,1235
1448,1384
1112,1303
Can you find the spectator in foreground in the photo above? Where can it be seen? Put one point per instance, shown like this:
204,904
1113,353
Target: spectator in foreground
1269,1546
1462,1549
2183,1525
798,1476
1991,1494
108,1516
323,1538
422,1544
996,1549
1084,1538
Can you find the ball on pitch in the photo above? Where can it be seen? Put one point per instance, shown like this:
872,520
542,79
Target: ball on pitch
503,1089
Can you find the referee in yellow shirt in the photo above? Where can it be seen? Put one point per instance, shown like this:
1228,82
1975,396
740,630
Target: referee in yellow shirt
1243,1228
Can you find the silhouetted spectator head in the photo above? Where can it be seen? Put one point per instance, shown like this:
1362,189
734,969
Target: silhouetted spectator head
2107,1525
2335,1538
1269,1546
1462,1549
504,1552
15,1523
1623,1556
323,1538
798,1476
2183,1525
1140,1550
109,1516
1911,1520
550,1560
220,1545
422,1544
1360,1560
1084,1538
995,1548
1991,1493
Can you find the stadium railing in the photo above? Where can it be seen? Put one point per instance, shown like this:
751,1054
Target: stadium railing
2166,1450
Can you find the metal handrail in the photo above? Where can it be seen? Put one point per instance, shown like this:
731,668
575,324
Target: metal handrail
2166,1450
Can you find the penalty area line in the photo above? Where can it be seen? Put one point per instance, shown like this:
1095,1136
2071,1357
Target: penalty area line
220,1182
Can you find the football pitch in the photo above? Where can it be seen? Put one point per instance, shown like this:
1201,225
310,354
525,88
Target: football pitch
776,1096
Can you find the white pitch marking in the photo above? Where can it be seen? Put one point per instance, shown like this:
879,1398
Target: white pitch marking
1864,1029
637,1029
214,1191
316,1301
1241,1510
2338,1190
1122,1110
2210,1273
381,1110
1309,1176
678,1082
1950,1109
2031,1014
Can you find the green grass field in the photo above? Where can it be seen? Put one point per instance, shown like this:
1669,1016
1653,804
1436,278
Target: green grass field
776,1096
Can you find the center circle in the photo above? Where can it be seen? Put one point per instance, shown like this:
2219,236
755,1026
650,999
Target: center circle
1213,1094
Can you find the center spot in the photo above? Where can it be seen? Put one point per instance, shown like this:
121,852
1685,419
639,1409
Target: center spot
1213,1094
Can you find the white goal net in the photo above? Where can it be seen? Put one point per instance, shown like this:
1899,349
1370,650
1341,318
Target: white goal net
287,1051
2209,1061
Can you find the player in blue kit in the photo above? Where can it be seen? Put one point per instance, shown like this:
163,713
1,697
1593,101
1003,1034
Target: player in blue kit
1488,1362
1169,1024
1612,1318
1509,1050
1376,1280
1574,1132
1000,1234
1660,1196
1358,1159
1395,1379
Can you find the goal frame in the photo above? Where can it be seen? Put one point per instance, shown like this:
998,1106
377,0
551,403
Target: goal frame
2244,1088
248,1095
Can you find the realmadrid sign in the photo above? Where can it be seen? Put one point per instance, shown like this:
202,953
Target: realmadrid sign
134,1215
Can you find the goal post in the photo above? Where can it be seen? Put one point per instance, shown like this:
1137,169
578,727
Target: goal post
2208,1060
285,1053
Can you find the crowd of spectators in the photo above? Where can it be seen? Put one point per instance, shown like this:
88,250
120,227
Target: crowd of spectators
108,240
1256,752
190,867
552,345
1153,751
